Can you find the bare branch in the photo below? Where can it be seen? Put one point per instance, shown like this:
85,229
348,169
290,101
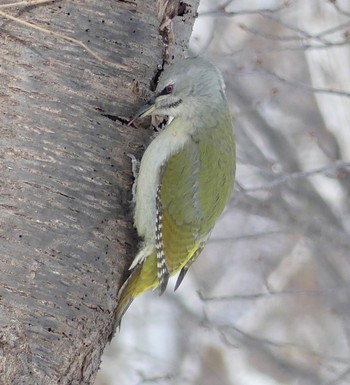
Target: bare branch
278,344
340,379
341,11
296,175
248,236
306,86
269,294
301,41
302,36
221,11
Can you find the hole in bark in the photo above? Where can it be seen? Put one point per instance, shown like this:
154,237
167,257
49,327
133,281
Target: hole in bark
183,9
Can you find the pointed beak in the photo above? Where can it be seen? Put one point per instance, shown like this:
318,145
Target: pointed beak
146,110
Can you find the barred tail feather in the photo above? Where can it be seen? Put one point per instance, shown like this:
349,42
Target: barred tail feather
125,297
141,279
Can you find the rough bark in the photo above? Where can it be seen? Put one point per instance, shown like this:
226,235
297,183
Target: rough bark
66,235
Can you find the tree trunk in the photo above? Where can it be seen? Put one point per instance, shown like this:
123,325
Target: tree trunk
66,234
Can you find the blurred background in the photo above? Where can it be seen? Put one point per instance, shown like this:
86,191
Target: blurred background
268,301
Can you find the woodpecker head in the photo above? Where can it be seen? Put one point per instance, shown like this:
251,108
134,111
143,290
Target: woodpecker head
184,88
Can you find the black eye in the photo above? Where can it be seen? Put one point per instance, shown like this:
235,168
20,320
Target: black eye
167,90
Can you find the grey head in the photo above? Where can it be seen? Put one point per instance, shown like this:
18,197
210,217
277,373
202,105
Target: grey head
185,89
188,86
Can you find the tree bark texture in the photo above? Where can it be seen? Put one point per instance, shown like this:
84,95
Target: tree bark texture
66,234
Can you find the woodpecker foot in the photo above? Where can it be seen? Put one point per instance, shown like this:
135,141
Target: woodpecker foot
135,166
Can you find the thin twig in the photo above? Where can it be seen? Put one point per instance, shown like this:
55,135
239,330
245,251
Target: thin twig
341,11
271,294
247,236
340,379
269,36
221,11
316,90
225,329
296,175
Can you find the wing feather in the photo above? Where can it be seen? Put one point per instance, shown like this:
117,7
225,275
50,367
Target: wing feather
195,186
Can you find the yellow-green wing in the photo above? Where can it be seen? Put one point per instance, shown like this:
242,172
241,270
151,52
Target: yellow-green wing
180,215
195,186
217,172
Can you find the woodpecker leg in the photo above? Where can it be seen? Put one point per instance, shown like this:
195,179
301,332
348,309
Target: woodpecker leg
135,166
162,269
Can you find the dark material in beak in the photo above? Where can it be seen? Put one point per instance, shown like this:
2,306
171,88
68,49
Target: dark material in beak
146,110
